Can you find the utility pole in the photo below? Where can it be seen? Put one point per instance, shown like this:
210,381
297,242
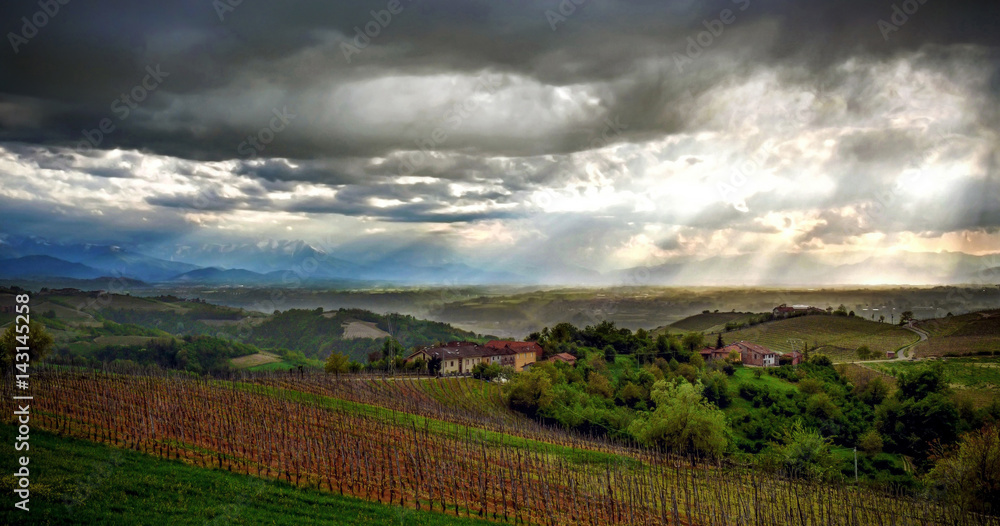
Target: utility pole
855,465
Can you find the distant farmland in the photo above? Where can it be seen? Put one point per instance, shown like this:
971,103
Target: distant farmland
836,336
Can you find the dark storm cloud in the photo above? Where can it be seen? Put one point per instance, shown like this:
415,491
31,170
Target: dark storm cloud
65,79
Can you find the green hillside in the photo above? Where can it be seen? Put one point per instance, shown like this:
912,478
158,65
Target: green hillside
836,336
710,322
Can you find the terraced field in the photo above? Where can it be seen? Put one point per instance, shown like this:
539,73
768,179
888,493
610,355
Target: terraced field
836,336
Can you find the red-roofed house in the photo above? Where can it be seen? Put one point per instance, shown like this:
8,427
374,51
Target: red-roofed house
709,354
564,357
794,357
753,354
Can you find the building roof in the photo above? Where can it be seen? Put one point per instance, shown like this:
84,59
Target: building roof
459,350
563,357
746,346
514,345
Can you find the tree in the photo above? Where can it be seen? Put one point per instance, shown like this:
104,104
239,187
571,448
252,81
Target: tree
873,392
337,363
864,352
391,348
434,365
805,453
719,343
598,384
905,317
870,442
682,421
970,475
39,343
609,354
921,383
530,392
717,389
693,341
697,361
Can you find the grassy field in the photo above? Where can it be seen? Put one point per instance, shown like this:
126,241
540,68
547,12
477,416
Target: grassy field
836,336
80,482
973,333
971,372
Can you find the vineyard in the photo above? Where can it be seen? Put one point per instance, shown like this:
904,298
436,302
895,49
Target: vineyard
836,336
443,446
973,333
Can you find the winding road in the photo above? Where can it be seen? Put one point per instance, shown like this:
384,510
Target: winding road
901,353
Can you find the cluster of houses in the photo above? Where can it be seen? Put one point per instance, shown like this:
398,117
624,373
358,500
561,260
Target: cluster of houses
461,357
751,354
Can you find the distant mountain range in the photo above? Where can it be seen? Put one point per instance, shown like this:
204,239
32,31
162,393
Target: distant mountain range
277,263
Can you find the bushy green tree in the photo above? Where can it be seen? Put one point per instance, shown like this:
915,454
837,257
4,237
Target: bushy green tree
39,343
864,352
530,392
683,421
716,389
970,475
337,363
805,453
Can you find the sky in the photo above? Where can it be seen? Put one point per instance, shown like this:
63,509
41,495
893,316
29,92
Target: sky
550,134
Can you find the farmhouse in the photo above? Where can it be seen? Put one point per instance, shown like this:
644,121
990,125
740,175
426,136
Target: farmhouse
514,354
792,358
564,357
462,357
709,354
750,354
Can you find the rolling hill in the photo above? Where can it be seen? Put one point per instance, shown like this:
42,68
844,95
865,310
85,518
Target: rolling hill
836,336
972,333
709,322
